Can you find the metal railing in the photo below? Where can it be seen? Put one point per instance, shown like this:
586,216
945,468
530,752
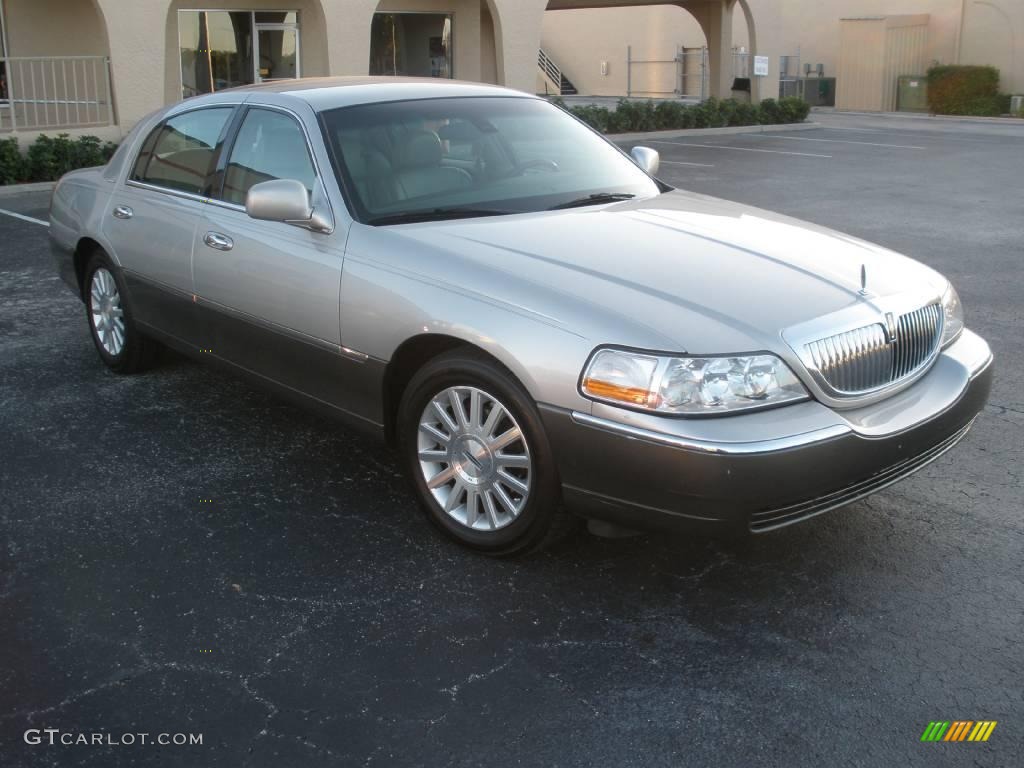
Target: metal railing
55,92
549,68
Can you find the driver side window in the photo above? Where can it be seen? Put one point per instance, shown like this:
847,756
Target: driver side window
270,145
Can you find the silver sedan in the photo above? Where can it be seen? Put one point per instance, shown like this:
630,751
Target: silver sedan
540,326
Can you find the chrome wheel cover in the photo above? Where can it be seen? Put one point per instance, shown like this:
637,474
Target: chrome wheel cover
106,312
474,458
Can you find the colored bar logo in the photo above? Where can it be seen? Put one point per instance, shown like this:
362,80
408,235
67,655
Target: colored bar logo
958,730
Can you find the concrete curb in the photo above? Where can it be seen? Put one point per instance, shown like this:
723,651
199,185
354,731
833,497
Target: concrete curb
1013,121
734,129
6,190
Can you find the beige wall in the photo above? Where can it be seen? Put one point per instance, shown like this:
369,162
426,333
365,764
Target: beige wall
55,28
873,53
604,34
578,40
497,40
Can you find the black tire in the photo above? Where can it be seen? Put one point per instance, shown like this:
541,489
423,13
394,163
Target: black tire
137,351
541,520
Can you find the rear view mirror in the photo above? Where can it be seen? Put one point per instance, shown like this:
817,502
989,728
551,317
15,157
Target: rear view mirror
648,159
286,201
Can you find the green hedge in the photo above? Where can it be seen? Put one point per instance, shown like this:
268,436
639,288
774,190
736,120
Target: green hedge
50,158
642,116
966,90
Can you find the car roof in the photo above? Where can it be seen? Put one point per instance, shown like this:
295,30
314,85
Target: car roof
323,93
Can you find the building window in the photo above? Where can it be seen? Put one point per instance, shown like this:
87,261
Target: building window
225,49
411,44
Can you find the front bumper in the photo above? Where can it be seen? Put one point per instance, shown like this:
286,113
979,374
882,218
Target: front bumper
760,471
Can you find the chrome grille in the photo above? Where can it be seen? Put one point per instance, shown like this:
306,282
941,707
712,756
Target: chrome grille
863,359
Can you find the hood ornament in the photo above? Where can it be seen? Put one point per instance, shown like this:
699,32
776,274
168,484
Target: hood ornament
863,280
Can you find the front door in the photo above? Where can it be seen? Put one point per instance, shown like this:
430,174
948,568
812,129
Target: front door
277,52
269,292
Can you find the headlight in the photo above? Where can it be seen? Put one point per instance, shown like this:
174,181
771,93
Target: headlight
689,385
954,311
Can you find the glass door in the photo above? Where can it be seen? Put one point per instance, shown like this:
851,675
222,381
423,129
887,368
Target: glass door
277,51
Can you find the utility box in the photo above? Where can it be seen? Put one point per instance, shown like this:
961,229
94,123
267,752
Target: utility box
874,51
912,93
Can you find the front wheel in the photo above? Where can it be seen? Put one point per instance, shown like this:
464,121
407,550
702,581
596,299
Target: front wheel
473,445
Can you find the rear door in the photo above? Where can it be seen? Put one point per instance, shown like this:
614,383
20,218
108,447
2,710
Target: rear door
153,216
269,292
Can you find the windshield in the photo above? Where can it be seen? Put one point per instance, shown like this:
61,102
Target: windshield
474,156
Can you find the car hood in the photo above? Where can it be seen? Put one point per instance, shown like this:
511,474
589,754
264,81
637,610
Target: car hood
685,271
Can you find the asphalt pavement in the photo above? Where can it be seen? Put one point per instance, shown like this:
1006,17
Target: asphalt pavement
184,554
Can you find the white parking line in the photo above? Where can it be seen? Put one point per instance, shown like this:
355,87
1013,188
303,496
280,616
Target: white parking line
680,162
23,217
837,141
738,149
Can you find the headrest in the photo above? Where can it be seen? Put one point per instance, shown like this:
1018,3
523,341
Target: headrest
419,150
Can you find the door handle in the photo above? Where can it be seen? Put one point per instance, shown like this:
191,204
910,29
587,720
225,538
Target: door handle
219,242
123,212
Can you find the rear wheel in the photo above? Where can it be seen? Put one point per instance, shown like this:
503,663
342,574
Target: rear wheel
118,341
474,448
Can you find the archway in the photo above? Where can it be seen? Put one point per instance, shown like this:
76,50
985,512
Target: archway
652,50
492,63
54,71
714,18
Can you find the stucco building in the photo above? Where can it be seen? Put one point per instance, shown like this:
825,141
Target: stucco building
97,66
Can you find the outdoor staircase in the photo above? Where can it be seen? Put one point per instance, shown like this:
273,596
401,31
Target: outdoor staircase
555,75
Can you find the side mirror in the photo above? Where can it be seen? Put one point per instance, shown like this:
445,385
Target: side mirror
648,159
287,201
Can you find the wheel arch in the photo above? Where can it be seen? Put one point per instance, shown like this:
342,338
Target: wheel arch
413,354
85,248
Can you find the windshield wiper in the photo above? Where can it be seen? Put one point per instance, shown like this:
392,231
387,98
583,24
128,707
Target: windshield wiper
435,214
595,199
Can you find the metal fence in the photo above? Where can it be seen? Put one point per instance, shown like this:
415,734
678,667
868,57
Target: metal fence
740,64
38,92
683,76
789,76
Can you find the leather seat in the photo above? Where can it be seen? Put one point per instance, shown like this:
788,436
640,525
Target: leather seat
370,171
418,169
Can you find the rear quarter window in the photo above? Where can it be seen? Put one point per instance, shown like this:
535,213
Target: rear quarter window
179,154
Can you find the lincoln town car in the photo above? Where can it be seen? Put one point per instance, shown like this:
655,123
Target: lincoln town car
540,327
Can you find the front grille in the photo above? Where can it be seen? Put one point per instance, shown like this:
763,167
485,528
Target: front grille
863,359
770,519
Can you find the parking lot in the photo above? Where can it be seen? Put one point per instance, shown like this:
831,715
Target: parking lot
184,553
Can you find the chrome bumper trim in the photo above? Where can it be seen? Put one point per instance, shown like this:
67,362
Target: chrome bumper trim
705,446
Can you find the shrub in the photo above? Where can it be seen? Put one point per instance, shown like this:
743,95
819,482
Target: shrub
669,115
50,158
964,90
794,110
746,114
13,166
640,116
595,117
769,112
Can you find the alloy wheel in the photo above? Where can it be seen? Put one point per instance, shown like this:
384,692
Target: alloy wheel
474,458
106,312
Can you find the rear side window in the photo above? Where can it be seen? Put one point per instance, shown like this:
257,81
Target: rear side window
179,154
270,145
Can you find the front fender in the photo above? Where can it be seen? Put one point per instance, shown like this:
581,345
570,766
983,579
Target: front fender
383,306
